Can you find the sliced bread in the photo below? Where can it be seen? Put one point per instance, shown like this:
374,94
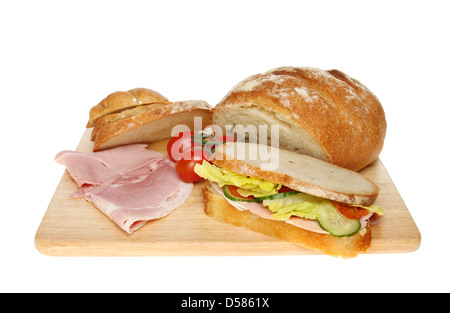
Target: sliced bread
115,117
297,171
153,123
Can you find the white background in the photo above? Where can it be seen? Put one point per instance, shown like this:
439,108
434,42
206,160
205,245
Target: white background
60,58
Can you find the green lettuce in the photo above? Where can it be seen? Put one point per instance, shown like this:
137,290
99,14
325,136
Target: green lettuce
300,205
246,185
372,208
305,206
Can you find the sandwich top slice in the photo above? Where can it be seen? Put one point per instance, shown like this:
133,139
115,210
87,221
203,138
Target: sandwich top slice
293,197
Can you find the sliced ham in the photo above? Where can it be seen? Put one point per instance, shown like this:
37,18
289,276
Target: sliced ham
129,184
103,167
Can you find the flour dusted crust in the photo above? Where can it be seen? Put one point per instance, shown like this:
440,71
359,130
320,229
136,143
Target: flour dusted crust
115,117
148,123
123,100
141,115
325,114
346,247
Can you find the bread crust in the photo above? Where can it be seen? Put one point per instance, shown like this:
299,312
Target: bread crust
123,100
341,115
183,112
311,185
115,117
345,247
241,167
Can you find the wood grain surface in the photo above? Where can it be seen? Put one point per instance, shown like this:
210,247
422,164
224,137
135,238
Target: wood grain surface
75,227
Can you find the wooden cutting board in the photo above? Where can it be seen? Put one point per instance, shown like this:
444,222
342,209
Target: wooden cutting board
75,227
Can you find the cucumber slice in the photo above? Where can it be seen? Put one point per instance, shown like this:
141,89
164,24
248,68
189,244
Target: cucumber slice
229,195
331,220
277,195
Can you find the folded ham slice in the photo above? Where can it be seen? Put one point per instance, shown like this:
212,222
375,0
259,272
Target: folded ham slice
103,167
130,184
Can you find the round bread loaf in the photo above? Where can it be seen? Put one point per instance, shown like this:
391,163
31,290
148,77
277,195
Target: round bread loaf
324,114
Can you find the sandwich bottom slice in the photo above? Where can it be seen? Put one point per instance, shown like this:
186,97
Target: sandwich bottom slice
217,207
306,201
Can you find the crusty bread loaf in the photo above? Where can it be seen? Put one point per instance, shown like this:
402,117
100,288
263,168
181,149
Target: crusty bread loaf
218,208
297,171
324,114
123,100
152,123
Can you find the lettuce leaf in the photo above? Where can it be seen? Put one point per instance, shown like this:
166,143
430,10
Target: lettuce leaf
372,208
300,205
305,206
246,185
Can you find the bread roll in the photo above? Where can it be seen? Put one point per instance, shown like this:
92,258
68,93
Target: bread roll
324,114
115,117
123,100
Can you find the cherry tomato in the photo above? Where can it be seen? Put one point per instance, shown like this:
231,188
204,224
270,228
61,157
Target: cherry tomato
178,144
351,212
234,192
185,165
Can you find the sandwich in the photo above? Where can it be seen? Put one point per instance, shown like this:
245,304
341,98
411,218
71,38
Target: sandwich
301,200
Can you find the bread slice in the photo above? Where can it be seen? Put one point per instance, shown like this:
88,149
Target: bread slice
297,171
115,117
324,114
219,208
152,124
123,100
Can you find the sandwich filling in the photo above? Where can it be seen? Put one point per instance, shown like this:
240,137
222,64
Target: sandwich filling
274,201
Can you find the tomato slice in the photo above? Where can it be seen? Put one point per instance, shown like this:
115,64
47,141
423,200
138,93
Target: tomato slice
284,189
234,192
351,212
